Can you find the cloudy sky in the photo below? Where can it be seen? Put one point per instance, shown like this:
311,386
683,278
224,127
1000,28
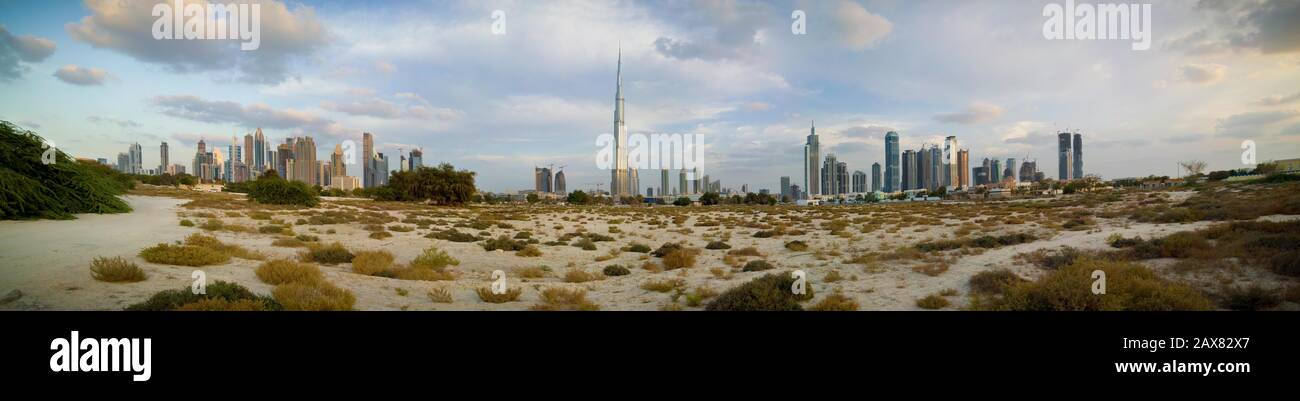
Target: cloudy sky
431,74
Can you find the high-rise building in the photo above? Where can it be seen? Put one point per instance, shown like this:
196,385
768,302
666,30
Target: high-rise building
416,160
380,170
559,183
811,158
859,182
1077,157
695,183
283,156
681,183
892,178
136,156
250,151
1029,171
785,189
951,175
124,163
963,168
981,174
829,183
620,181
875,177
1011,169
1065,156
542,180
663,182
338,166
995,171
259,151
367,160
164,154
909,164
304,160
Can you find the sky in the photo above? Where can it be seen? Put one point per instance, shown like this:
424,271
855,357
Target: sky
90,77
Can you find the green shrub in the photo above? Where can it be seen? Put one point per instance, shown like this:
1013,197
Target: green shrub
529,252
504,243
561,299
173,299
637,247
797,246
183,255
772,292
271,189
116,270
331,254
717,245
435,259
31,189
666,248
616,270
586,244
187,223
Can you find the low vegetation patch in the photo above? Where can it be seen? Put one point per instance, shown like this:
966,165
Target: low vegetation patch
771,292
116,270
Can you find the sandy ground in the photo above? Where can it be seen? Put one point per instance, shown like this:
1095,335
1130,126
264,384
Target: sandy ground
49,260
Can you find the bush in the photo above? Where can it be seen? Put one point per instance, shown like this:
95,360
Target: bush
271,189
1250,298
586,244
561,299
681,258
637,247
797,246
313,296
836,302
1286,263
331,254
529,252
440,295
993,282
663,285
616,270
434,259
187,223
579,276
222,305
932,301
173,299
504,243
757,266
717,245
666,248
116,270
281,271
1129,286
183,255
31,189
510,295
380,235
772,292
372,263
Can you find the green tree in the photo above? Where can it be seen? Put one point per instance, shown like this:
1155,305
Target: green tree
578,198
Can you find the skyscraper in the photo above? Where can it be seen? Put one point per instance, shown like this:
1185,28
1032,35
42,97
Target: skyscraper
259,151
250,154
620,181
922,158
859,182
416,160
963,168
367,160
951,175
663,182
338,166
875,177
811,159
995,171
892,179
1011,169
1078,156
283,159
559,183
136,156
829,183
163,153
785,189
909,164
304,160
1029,170
1065,156
681,183
937,168
542,180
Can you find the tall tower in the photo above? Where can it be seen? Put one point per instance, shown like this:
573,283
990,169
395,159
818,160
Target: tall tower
1078,156
681,183
259,151
1064,156
368,154
892,173
812,163
951,174
162,165
963,168
337,164
663,182
619,184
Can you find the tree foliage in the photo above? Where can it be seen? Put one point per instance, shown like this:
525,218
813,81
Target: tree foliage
31,189
443,185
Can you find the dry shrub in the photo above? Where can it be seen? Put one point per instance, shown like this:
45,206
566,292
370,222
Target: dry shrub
837,302
510,295
579,276
315,296
440,295
746,251
931,269
663,285
772,292
932,301
680,258
372,263
562,299
797,246
330,254
224,305
532,272
420,274
993,282
1129,286
529,252
116,270
434,258
284,271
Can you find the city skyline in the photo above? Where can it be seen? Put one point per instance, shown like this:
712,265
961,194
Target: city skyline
512,101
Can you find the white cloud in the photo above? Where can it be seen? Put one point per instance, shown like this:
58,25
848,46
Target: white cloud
1202,73
81,76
